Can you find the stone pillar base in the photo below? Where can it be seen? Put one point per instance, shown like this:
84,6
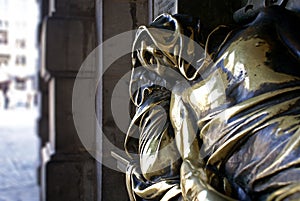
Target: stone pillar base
76,175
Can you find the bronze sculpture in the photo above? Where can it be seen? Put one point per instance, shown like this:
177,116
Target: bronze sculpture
233,132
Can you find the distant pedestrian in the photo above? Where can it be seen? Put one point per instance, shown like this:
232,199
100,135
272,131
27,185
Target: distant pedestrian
4,86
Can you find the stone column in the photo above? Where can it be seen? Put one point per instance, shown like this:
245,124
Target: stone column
68,35
115,17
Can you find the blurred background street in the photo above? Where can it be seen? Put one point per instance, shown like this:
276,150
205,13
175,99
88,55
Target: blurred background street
19,142
19,158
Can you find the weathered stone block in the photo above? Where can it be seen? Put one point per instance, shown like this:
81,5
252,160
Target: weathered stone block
66,136
161,6
43,122
68,43
76,8
71,177
43,130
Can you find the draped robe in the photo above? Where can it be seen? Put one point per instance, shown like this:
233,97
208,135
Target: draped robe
228,128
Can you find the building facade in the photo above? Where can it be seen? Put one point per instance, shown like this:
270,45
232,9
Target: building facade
18,49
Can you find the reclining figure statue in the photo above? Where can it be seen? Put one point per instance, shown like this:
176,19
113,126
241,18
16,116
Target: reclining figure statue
218,124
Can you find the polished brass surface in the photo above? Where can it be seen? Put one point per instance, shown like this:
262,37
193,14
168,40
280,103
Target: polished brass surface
229,129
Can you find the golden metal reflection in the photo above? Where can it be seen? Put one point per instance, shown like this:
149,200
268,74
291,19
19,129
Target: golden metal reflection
234,132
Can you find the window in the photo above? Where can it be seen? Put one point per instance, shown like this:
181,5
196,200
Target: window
21,43
3,37
20,83
4,59
21,60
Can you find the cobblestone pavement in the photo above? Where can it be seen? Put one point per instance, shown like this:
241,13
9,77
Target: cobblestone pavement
18,155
